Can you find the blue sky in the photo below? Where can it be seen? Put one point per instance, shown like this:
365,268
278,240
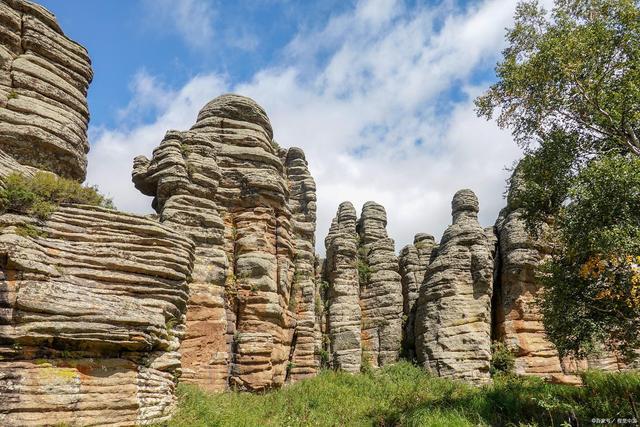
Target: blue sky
377,92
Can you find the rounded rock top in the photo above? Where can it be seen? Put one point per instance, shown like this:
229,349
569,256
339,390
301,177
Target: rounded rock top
465,201
239,108
421,237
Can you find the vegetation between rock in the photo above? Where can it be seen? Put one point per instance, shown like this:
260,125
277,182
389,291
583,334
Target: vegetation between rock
41,194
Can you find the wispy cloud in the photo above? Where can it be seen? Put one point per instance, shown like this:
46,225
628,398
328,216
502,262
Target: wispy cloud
380,99
193,20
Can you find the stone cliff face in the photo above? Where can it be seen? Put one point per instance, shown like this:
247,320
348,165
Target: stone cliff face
364,320
380,288
250,208
414,260
44,78
92,301
453,314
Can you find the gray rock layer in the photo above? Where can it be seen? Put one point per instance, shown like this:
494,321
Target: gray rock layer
453,315
343,318
414,260
91,307
44,78
381,290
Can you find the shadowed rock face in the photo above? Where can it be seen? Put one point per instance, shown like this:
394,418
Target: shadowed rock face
250,209
364,320
44,78
91,307
453,315
414,260
302,203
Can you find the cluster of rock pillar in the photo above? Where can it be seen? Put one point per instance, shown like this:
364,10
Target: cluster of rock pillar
103,312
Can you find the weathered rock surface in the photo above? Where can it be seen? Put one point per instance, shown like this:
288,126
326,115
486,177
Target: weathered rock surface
364,296
414,260
305,299
44,78
250,209
453,315
343,296
91,307
380,289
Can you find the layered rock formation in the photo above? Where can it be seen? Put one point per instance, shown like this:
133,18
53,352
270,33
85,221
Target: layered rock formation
44,78
250,208
414,260
380,288
344,315
518,321
92,301
453,314
364,319
91,307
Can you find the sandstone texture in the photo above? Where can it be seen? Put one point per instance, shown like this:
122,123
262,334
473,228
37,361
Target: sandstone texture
344,316
380,288
250,208
364,296
44,78
414,260
91,307
453,314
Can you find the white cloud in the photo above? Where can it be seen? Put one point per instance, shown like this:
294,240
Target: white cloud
368,99
191,19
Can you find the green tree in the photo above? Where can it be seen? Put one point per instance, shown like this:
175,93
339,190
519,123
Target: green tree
569,89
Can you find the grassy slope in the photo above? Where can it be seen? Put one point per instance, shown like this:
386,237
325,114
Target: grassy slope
405,395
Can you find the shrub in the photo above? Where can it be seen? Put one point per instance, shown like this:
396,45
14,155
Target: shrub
41,194
503,359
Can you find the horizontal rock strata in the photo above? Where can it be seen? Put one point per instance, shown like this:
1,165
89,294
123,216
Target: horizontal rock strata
44,78
380,288
250,208
91,307
414,260
343,318
453,314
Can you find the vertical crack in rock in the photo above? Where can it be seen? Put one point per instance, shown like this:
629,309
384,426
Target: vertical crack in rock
343,316
380,288
253,281
44,78
453,315
414,260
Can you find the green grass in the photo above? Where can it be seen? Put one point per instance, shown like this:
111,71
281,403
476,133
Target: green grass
41,194
406,395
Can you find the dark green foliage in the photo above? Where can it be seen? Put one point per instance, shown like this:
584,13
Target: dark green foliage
576,69
44,192
592,284
405,395
503,360
568,89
